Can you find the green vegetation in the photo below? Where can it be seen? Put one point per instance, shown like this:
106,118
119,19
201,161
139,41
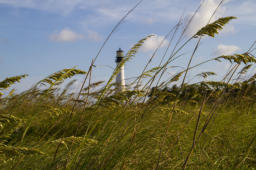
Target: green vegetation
37,131
173,125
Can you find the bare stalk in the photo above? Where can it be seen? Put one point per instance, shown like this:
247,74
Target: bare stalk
195,132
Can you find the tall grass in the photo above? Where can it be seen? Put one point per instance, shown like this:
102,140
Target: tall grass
173,125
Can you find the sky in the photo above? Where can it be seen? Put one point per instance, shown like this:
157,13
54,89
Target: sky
39,37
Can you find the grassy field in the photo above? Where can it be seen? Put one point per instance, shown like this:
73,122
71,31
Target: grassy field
154,124
38,133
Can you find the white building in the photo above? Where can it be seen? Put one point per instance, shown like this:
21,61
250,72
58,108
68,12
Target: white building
120,78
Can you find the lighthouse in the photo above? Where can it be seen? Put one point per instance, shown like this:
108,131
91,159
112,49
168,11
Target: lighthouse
120,80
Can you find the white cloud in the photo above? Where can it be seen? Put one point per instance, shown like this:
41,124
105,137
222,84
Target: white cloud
153,42
94,36
228,29
226,49
66,35
204,14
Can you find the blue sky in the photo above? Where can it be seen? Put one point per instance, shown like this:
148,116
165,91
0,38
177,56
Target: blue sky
39,37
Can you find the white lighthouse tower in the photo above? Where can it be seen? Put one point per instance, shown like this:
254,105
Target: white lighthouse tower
120,80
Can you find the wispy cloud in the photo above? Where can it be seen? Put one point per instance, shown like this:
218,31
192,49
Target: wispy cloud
226,49
153,42
66,35
59,6
94,36
202,17
114,14
148,12
105,12
228,29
